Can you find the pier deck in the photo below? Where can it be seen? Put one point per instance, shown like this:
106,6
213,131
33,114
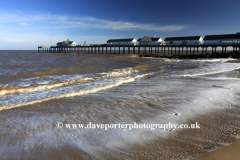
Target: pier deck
158,50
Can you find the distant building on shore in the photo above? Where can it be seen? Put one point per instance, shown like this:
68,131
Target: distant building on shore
222,39
128,41
146,40
192,40
66,43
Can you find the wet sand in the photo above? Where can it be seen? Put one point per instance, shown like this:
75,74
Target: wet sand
226,153
217,130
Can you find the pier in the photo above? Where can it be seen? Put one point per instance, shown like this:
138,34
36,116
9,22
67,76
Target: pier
145,50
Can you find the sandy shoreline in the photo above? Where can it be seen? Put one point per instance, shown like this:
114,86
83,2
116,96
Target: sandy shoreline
225,153
217,130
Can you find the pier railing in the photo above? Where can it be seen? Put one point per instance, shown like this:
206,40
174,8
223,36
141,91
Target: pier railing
152,50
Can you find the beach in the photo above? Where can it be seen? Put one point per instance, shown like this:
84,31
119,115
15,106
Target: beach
229,152
42,94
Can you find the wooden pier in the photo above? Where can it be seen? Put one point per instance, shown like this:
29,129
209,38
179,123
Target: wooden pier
151,50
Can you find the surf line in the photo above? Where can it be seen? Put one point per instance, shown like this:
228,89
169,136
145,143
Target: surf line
81,92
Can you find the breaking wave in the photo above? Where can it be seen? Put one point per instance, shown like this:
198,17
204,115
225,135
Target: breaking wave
60,81
37,94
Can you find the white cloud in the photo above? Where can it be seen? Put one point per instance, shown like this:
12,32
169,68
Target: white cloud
27,31
22,23
63,22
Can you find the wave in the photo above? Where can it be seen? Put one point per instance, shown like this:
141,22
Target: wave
205,70
222,60
59,81
41,96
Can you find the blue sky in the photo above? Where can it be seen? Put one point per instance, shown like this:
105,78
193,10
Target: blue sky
28,23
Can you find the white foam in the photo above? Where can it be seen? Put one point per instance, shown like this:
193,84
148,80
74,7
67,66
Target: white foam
49,82
12,101
213,60
212,68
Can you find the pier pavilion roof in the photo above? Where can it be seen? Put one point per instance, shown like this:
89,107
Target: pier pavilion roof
182,38
155,39
120,40
152,39
224,36
68,42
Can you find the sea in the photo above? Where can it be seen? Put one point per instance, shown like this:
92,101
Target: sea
46,98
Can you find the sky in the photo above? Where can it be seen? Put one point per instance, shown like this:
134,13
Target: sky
26,24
